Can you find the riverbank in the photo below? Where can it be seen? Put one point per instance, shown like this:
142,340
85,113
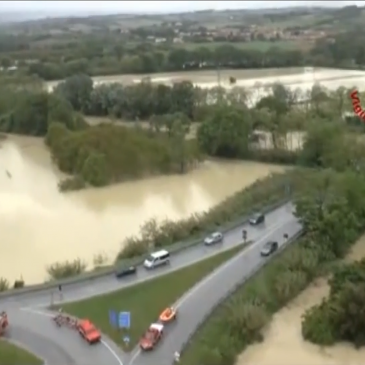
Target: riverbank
283,339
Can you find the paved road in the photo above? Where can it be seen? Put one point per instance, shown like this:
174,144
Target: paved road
31,325
197,303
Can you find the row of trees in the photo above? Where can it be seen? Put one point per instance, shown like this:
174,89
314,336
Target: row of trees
149,59
331,207
134,102
237,122
143,100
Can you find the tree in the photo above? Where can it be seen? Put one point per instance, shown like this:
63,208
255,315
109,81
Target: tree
94,170
77,90
226,133
5,62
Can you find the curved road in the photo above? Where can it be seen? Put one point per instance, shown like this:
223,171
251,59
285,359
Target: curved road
31,326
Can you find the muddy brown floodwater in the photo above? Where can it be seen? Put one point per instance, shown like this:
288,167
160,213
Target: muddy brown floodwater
283,342
40,226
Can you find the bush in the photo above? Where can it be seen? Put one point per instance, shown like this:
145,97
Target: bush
330,230
108,153
62,270
4,284
100,260
262,193
71,183
341,316
18,284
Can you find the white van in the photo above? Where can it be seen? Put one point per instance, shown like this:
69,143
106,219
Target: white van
157,259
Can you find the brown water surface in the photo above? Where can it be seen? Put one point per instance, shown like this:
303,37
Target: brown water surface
39,225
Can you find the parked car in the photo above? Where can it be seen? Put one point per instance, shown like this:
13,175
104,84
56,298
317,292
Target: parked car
125,271
269,248
214,238
256,219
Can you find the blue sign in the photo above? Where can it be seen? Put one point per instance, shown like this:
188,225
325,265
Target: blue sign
113,318
126,339
124,319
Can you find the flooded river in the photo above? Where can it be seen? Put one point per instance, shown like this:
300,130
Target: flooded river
39,225
283,342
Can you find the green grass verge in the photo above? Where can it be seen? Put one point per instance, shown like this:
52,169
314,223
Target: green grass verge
147,300
14,355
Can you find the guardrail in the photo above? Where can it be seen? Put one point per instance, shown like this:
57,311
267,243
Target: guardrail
175,248
238,286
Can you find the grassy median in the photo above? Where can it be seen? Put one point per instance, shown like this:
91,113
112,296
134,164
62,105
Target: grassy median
14,355
147,300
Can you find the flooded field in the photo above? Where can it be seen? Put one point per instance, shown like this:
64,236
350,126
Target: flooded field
295,78
39,225
283,342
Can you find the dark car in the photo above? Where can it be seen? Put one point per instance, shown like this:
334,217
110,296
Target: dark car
258,218
269,248
125,271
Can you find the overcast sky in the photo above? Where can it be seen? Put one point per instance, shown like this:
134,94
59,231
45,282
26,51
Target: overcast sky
102,7
72,7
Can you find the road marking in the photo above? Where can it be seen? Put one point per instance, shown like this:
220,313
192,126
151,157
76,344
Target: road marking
46,314
112,352
36,311
196,287
201,283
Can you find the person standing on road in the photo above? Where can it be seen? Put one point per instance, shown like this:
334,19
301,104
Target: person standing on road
60,292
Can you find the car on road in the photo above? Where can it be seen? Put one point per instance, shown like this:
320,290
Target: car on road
216,237
157,259
125,271
168,315
269,248
151,337
88,331
256,219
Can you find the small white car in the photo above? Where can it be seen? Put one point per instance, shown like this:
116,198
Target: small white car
214,238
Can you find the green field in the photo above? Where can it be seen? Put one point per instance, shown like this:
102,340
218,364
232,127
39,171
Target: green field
256,45
147,300
13,355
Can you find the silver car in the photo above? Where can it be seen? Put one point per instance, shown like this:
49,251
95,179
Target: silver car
214,238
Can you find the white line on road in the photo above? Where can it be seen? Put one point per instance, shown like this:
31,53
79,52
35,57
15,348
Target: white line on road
196,287
47,314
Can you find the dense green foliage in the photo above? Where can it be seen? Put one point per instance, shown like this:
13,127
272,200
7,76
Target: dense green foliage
30,110
110,153
332,212
340,317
